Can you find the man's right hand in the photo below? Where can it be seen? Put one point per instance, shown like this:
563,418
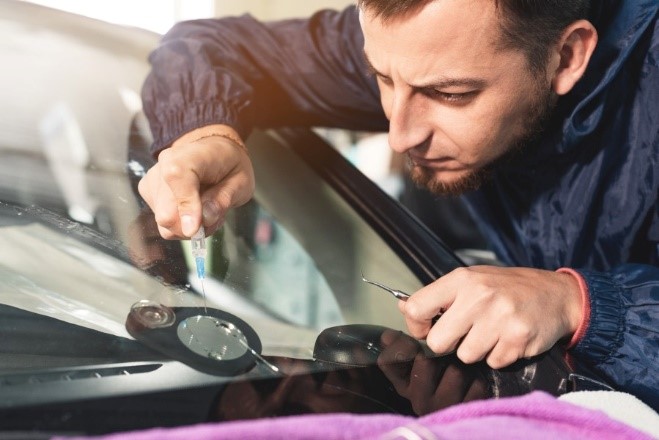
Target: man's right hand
202,175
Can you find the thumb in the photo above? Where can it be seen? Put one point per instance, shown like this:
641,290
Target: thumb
184,185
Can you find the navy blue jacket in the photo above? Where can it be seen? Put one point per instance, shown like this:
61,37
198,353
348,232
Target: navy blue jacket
584,197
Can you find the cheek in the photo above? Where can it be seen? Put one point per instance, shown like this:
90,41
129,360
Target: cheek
471,135
478,133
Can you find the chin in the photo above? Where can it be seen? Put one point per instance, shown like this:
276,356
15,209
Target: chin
446,183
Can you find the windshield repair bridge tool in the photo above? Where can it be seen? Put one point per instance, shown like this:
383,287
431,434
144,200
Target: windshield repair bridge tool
198,244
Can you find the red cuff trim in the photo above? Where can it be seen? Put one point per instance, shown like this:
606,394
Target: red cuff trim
585,306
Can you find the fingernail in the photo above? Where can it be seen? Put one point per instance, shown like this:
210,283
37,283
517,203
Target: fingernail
187,225
210,213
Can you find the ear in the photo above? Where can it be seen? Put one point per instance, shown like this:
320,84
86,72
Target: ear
572,55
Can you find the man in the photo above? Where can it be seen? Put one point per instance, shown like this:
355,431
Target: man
551,138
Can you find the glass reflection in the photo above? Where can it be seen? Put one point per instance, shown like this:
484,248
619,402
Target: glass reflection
404,379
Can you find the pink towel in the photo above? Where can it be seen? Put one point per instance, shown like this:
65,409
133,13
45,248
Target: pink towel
533,416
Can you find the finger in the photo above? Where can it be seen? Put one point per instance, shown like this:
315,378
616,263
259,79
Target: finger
148,186
476,344
517,341
421,310
157,194
183,182
166,213
235,187
168,234
211,215
449,330
212,229
443,338
159,198
233,191
144,187
423,307
502,355
459,313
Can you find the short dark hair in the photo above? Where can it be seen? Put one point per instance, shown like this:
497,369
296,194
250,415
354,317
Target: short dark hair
528,25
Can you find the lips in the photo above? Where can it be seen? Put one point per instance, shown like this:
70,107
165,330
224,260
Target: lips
438,164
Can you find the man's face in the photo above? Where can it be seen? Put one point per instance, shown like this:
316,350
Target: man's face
456,101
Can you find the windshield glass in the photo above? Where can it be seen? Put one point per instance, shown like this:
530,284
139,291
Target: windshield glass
80,249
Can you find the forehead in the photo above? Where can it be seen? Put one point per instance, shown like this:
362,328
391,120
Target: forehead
445,34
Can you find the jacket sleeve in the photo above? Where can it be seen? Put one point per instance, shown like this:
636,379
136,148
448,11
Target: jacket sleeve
622,339
246,73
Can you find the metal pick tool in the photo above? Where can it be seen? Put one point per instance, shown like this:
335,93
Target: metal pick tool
397,293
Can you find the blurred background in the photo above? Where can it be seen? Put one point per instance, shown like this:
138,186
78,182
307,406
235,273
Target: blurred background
160,15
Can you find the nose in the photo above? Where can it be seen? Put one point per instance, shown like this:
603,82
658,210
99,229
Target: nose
408,123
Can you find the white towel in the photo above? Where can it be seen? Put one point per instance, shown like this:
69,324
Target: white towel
620,406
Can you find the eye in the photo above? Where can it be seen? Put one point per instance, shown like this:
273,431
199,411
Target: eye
370,71
384,79
453,96
449,97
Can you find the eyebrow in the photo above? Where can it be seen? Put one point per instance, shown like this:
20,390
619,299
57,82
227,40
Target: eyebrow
476,83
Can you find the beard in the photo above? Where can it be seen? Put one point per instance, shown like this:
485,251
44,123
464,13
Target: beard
533,127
